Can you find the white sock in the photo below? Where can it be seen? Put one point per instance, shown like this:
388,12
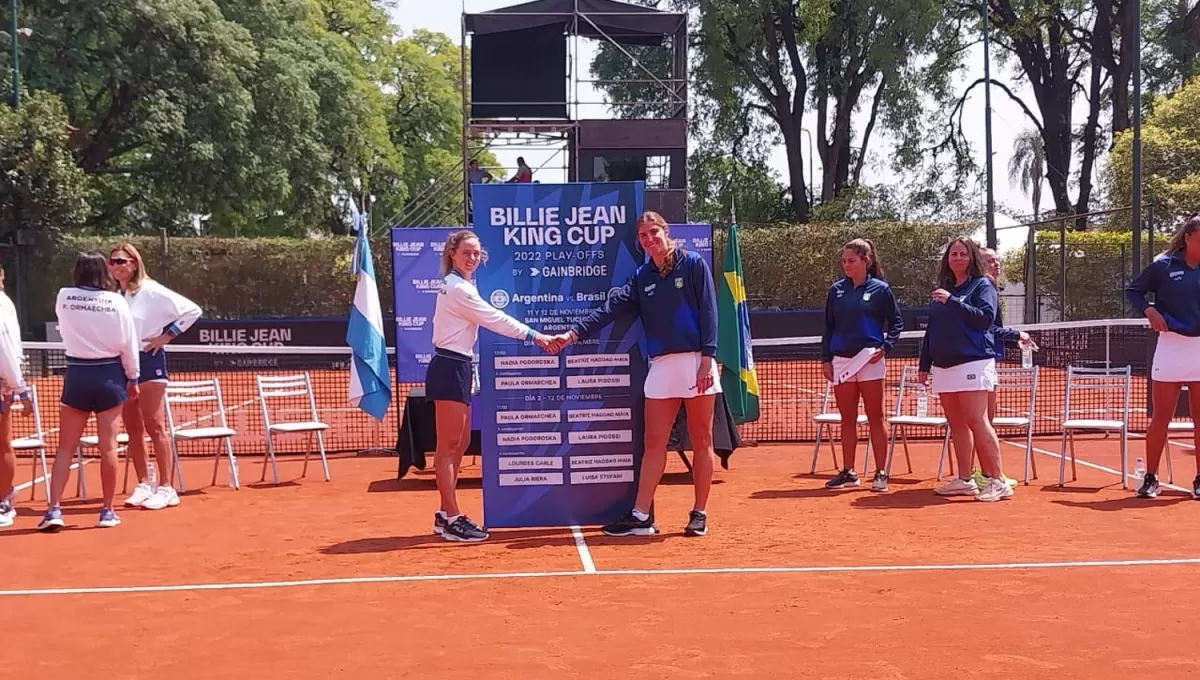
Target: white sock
451,520
640,516
700,511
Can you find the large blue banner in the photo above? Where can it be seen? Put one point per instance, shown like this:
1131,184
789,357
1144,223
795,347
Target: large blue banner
561,435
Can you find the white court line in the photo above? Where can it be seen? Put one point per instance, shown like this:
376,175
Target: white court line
1094,466
585,555
417,578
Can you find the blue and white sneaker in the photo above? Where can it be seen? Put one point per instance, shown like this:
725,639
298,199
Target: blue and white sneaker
52,520
463,530
7,511
108,518
439,522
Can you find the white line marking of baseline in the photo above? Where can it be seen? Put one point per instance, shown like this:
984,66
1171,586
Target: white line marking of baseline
416,578
1094,466
585,555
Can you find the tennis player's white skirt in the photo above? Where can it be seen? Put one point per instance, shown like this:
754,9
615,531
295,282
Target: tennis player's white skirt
973,376
673,376
875,371
1176,359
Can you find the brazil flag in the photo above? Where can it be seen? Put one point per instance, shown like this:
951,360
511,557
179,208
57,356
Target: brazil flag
738,379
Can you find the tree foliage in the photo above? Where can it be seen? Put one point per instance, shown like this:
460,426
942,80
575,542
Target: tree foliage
1170,154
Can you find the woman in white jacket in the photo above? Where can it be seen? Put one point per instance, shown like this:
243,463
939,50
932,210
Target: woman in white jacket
160,315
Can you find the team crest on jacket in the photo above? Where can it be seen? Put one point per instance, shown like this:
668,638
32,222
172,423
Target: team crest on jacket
678,282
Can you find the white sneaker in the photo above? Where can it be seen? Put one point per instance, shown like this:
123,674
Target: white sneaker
958,487
996,489
5,520
7,511
164,497
141,493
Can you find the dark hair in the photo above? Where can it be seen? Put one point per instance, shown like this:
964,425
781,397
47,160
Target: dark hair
865,248
945,277
1179,240
91,269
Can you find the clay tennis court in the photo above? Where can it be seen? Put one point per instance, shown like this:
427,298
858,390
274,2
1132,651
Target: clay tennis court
317,579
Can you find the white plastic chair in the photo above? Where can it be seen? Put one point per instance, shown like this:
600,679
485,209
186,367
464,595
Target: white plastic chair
199,392
1102,380
35,441
93,441
1020,379
282,387
899,421
832,418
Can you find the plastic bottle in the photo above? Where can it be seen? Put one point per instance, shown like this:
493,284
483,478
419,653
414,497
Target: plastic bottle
922,403
1139,470
1026,356
151,474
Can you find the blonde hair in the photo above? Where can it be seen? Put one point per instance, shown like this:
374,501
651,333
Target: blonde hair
1179,239
452,245
139,266
865,248
651,217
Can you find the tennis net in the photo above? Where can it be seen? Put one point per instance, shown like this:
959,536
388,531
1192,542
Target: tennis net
789,375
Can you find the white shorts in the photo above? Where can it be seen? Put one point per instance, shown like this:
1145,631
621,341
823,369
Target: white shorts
973,376
673,376
1176,359
875,371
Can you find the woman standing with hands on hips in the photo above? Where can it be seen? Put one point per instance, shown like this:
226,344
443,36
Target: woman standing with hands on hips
958,358
862,319
1174,278
159,315
457,316
674,296
101,345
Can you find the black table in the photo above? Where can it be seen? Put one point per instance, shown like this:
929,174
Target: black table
418,434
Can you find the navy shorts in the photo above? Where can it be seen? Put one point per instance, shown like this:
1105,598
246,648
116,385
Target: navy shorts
448,377
153,366
94,385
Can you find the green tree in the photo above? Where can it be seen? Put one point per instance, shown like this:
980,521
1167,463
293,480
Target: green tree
1170,154
41,188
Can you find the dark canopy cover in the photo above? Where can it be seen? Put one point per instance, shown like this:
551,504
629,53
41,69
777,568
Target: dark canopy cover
622,22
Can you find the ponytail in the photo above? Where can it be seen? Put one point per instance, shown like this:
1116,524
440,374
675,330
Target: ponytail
865,248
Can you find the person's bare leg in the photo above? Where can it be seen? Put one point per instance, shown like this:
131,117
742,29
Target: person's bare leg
131,418
152,405
974,408
1166,396
700,430
106,430
659,418
1194,408
8,457
960,433
71,423
872,398
846,396
451,420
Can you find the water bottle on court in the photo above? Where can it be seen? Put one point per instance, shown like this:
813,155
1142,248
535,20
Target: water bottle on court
151,474
922,403
1026,355
1139,470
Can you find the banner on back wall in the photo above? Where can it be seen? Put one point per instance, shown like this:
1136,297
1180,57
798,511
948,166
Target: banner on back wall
561,434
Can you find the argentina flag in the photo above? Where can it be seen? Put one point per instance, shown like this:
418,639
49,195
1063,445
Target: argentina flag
370,381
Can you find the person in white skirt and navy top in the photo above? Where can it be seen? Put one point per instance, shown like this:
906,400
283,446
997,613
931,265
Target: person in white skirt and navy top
160,315
862,322
958,359
101,347
12,389
457,316
675,297
1174,278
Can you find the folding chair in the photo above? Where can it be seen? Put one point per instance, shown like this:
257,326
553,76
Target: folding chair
35,441
198,392
898,422
1102,380
1019,379
831,418
298,385
93,441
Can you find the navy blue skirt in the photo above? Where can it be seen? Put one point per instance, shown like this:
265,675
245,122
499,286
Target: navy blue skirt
448,377
94,385
153,366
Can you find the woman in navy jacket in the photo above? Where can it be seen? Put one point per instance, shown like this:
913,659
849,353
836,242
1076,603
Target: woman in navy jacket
1174,278
958,357
862,319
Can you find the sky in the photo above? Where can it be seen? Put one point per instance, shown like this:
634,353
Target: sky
1008,120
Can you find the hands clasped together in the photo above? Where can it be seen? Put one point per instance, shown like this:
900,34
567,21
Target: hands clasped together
553,344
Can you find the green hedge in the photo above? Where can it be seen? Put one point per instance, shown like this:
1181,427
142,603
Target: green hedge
786,267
